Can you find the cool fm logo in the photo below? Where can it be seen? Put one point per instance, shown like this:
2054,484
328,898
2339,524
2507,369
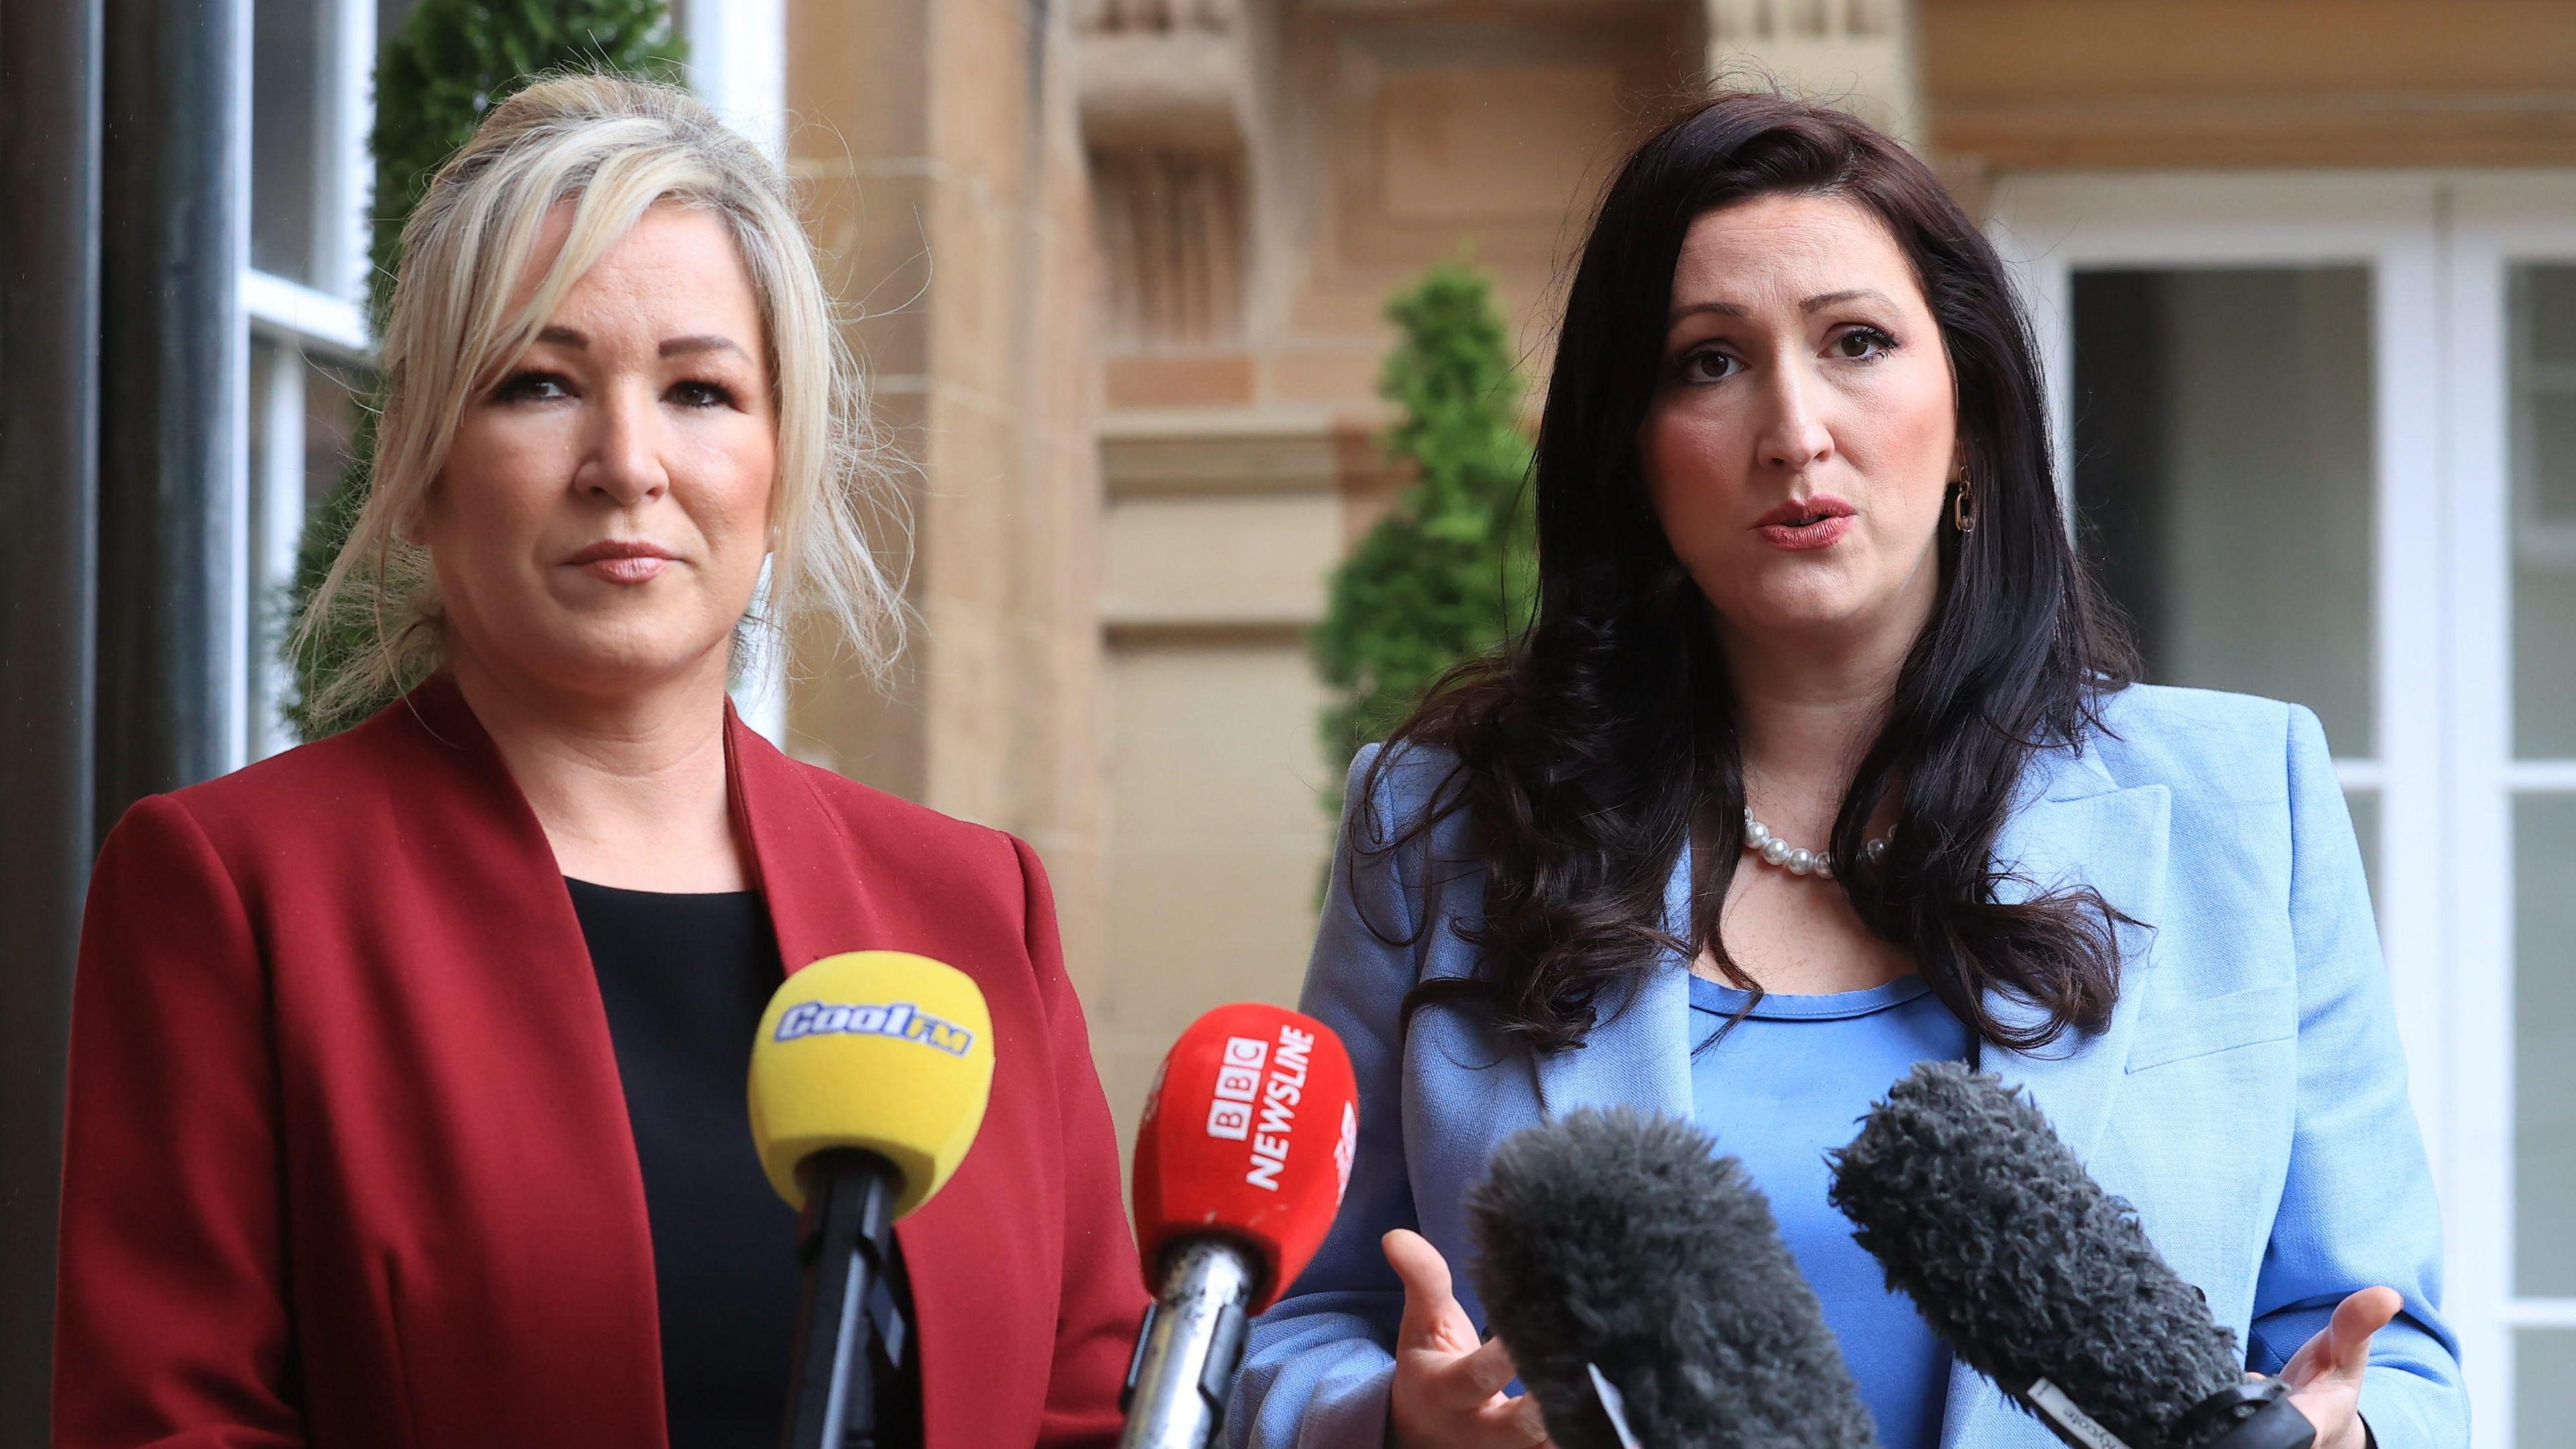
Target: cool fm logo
900,1020
1251,1104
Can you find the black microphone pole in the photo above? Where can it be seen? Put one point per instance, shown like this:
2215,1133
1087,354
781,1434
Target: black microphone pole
843,1240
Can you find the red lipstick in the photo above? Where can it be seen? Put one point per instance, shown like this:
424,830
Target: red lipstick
1802,525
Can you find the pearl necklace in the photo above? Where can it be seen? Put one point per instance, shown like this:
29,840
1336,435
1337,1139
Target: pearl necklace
1759,839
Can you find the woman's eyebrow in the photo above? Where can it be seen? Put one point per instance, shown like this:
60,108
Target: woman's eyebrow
671,346
1822,300
1815,303
674,346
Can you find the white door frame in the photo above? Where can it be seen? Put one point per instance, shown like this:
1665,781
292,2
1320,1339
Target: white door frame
2494,221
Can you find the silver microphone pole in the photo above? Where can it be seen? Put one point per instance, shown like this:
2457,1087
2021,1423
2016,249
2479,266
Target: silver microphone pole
1190,1346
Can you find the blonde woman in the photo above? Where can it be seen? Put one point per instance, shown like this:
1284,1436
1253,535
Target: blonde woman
407,1073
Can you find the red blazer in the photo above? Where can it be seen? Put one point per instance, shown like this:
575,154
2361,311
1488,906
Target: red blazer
348,1162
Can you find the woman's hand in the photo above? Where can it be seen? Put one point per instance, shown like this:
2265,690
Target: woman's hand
2325,1375
1448,1387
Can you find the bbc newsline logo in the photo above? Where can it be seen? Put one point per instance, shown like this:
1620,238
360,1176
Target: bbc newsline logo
1259,1085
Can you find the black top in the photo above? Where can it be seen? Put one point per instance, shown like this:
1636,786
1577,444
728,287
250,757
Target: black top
684,979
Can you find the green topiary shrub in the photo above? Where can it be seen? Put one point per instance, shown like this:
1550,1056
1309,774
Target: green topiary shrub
452,62
1449,572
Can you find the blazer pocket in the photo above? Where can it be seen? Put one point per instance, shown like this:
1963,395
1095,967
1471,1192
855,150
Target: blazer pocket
2216,1024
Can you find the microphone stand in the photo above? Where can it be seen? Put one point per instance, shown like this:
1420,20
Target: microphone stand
842,1239
2256,1414
1189,1348
2252,1415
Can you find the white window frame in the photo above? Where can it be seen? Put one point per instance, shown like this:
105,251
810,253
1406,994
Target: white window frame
2437,245
303,321
738,64
2495,221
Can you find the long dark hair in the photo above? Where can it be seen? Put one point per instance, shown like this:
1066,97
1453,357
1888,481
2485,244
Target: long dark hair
1591,747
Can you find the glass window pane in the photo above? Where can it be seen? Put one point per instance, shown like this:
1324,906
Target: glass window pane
2545,298
276,447
2548,456
303,415
323,411
2544,1070
2544,1386
289,145
2223,477
331,392
2543,330
267,355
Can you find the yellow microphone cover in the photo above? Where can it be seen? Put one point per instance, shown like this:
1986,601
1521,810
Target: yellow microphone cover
877,1049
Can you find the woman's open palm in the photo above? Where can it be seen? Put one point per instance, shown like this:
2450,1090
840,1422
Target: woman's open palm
2325,1374
1448,1390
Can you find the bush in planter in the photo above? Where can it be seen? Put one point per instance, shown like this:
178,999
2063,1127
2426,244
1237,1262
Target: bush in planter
1449,571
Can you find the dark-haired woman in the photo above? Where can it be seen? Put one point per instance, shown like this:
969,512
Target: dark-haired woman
1819,760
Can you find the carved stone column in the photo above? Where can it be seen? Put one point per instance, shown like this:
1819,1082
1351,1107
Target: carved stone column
1165,88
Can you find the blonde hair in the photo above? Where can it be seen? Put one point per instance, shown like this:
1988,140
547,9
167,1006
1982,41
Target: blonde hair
612,147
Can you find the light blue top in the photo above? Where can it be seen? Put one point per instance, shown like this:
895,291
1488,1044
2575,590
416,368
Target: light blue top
1778,1088
2248,1095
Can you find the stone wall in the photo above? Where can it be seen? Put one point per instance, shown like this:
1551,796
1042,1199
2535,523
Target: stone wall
2039,85
938,141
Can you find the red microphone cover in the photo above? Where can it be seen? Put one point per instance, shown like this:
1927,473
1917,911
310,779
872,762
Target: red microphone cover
1249,1132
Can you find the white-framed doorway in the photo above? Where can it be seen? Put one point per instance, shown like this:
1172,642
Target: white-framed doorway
2244,283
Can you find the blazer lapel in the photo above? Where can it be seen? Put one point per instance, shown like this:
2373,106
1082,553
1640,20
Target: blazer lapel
825,896
804,865
505,969
1639,1054
2083,829
2078,827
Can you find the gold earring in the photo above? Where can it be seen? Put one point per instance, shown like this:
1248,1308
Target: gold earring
1962,516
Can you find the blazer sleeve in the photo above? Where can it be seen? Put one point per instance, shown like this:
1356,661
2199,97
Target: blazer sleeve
2357,1208
171,1321
1320,1363
1102,1300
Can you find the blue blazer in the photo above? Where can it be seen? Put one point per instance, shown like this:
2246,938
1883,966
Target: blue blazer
2249,1095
